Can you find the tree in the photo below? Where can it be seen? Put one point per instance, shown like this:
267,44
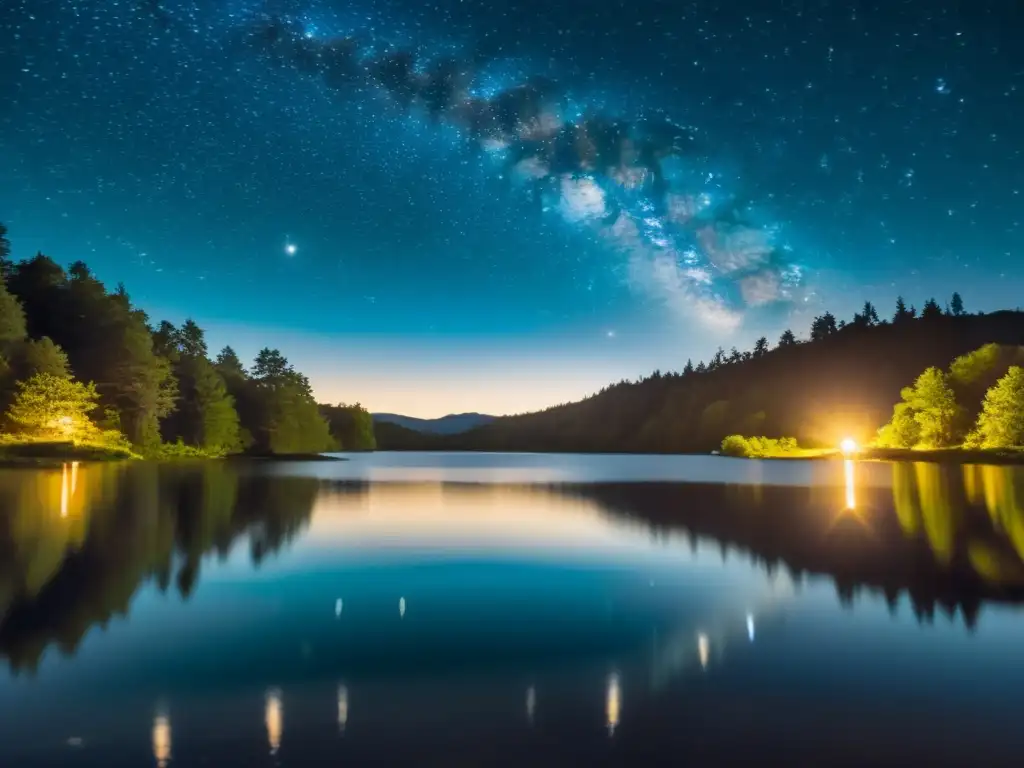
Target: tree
701,368
867,317
40,356
351,426
902,431
787,339
205,416
902,314
688,368
823,327
761,347
956,305
1001,422
53,408
229,366
5,253
935,408
734,355
12,319
284,417
931,310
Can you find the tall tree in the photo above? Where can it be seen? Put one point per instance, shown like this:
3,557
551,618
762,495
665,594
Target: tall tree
956,305
5,253
286,417
688,368
823,327
787,339
351,426
935,408
1001,422
931,310
12,319
902,314
761,347
205,416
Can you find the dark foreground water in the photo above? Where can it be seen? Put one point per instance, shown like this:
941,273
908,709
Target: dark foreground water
512,610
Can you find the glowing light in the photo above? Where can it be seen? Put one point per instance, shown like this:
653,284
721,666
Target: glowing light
338,605
613,703
342,707
851,496
401,607
273,717
74,476
161,740
290,249
848,446
750,626
703,649
531,702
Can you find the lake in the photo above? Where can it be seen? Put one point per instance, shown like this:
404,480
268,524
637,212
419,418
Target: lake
511,609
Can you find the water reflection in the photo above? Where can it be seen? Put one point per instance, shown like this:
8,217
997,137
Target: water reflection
77,543
531,703
703,649
342,708
161,739
612,703
273,718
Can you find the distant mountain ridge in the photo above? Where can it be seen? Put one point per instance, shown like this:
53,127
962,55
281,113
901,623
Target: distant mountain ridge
452,424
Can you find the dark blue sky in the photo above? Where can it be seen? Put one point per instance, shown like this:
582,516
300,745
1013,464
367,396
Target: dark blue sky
833,152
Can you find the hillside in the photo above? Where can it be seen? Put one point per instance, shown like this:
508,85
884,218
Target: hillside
451,424
845,382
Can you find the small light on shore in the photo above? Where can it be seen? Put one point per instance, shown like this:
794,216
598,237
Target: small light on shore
848,446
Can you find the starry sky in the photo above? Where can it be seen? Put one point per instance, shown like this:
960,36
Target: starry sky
443,206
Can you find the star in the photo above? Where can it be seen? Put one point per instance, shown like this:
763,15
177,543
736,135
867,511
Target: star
290,249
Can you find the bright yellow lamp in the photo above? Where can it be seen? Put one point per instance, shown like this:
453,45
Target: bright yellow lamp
848,446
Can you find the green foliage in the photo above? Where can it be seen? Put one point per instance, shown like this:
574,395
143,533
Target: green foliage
1001,422
351,426
150,385
935,409
205,416
758,447
902,431
49,407
285,417
178,450
12,318
41,356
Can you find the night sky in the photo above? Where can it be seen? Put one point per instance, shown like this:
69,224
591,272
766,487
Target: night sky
456,205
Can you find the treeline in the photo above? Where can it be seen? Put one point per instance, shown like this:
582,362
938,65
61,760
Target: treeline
978,403
81,363
843,379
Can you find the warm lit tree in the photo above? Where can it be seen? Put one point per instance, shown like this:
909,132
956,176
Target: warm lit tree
1001,422
53,408
12,319
902,431
935,408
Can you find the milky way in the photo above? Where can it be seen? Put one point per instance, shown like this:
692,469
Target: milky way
641,185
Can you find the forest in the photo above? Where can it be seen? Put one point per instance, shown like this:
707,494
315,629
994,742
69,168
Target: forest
83,367
842,380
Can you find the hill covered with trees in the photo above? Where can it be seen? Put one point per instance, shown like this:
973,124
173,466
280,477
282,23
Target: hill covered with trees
843,380
82,364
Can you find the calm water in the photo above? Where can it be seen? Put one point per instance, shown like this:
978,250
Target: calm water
511,609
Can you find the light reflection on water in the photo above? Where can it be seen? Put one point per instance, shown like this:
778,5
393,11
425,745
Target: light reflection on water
210,581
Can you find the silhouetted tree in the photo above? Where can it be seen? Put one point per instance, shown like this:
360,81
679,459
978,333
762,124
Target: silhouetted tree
688,368
787,339
956,305
823,327
902,313
761,347
931,310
